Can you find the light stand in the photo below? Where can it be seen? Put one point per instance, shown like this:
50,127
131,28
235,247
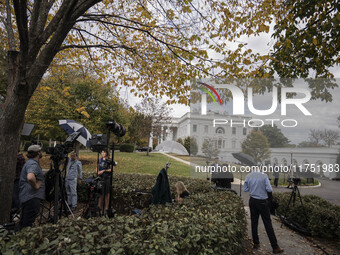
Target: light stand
110,211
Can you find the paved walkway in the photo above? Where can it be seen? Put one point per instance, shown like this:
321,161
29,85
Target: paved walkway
290,241
175,158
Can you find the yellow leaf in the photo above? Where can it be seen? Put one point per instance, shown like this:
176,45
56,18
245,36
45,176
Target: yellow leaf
315,41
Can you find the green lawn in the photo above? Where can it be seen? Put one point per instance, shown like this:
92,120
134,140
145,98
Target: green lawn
136,163
140,163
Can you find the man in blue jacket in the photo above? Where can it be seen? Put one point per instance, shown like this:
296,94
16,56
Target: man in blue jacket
257,184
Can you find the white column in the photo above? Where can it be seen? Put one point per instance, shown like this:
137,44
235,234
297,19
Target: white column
150,140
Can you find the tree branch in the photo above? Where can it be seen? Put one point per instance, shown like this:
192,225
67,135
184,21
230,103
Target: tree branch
50,29
39,18
87,48
91,34
8,25
95,16
20,8
34,18
75,46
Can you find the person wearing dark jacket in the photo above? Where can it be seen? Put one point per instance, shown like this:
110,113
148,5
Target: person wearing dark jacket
161,191
104,171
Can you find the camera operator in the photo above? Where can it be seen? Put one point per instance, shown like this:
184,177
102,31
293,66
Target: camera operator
104,171
31,187
74,173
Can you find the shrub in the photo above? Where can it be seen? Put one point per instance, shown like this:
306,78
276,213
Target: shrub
317,215
191,145
207,222
126,147
180,140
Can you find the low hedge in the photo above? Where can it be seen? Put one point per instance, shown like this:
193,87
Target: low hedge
209,222
124,185
317,215
127,147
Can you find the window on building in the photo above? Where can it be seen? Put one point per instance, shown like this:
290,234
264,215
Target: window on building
194,128
219,143
234,130
206,128
220,130
233,144
223,144
244,131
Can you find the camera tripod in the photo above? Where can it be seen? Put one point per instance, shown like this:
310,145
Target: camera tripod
59,204
292,199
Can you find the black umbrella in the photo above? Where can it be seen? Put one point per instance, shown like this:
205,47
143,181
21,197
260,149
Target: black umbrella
244,158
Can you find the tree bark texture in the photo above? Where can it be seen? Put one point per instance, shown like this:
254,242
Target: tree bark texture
38,46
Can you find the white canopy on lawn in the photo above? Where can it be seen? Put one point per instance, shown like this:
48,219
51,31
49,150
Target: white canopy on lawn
172,147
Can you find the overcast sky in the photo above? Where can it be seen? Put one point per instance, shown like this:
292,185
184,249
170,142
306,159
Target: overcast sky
324,115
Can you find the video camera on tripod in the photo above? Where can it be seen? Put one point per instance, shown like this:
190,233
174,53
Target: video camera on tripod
296,181
59,151
54,183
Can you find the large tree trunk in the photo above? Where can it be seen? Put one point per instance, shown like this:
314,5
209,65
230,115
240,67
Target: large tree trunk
38,46
11,123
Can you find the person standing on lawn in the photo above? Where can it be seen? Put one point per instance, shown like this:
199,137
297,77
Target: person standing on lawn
73,176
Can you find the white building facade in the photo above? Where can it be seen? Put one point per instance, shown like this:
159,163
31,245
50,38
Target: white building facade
226,138
320,160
